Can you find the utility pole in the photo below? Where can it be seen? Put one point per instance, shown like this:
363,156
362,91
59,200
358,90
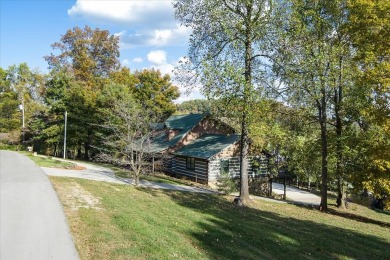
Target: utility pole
66,118
21,107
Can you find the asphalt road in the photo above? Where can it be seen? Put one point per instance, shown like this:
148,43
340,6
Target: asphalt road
32,221
296,195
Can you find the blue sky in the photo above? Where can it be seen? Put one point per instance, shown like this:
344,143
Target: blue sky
149,35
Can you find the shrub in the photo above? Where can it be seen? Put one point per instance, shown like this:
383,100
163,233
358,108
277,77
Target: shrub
226,183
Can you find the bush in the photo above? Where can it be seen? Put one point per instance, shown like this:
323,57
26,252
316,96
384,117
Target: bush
12,147
226,184
259,186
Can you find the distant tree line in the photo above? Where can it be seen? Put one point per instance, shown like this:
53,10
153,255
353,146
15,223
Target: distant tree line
86,81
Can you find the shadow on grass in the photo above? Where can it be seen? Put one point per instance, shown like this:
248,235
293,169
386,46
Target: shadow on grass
226,231
386,212
359,218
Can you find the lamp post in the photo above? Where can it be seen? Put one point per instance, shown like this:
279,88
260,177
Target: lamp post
21,107
66,118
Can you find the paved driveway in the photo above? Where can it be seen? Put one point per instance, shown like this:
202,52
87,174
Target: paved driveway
92,172
89,171
97,173
297,195
32,221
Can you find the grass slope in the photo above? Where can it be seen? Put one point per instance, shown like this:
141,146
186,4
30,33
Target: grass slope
44,161
111,221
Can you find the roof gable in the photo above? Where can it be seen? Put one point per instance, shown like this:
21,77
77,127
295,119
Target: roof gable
183,123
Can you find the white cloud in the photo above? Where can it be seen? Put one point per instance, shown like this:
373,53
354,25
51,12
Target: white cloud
158,57
141,13
147,23
137,60
164,68
125,62
176,36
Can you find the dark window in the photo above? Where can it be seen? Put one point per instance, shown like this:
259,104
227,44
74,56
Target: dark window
224,166
190,164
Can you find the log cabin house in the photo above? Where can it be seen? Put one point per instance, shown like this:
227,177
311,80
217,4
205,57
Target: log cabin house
200,148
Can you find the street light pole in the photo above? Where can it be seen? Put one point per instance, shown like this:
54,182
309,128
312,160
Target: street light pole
23,125
66,118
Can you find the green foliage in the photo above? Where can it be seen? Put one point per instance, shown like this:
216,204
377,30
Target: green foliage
317,69
11,147
85,68
226,183
126,129
81,68
196,106
369,29
24,87
123,76
10,116
227,55
90,54
156,92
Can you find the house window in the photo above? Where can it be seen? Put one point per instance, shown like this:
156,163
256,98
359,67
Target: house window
190,164
224,167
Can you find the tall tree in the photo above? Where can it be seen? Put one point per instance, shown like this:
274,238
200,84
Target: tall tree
127,128
226,46
369,30
58,101
90,54
316,56
29,86
9,103
89,57
155,92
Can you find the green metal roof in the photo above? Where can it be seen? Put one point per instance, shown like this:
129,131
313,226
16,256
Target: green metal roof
181,122
207,146
184,123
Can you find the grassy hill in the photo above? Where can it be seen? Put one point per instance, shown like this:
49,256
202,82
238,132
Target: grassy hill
111,221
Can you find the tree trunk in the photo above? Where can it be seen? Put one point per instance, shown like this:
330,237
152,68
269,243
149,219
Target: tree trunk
324,153
79,151
244,185
87,145
55,150
86,151
244,149
136,179
338,96
136,166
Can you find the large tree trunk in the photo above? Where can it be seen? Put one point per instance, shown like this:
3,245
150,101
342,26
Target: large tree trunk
341,195
338,96
244,185
324,148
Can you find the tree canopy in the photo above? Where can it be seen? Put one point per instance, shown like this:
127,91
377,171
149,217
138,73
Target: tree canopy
225,50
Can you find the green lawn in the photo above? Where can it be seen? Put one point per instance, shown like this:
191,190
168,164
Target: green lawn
112,221
155,177
44,161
